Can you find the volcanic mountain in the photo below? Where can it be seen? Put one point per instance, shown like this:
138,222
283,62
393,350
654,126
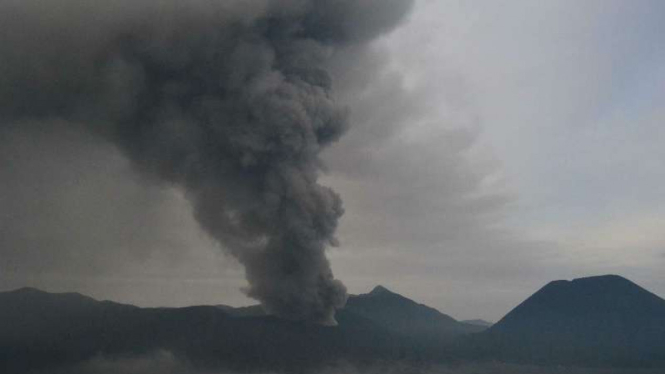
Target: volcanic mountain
402,315
45,330
393,312
597,320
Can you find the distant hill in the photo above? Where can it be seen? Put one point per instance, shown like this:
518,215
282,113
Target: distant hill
243,311
605,320
478,322
402,315
44,330
390,311
599,321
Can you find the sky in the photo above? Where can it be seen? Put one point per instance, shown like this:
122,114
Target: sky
493,147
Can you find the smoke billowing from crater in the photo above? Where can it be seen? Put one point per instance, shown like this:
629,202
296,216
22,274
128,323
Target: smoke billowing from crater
228,100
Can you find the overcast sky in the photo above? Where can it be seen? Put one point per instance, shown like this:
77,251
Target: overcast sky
495,146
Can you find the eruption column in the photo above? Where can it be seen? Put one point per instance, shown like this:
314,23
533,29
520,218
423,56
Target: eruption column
228,100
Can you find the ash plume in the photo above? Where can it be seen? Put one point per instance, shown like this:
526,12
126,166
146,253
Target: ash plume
229,100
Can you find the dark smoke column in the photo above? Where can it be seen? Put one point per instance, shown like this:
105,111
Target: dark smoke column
228,100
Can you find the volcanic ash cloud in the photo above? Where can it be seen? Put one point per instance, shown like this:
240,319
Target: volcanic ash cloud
228,100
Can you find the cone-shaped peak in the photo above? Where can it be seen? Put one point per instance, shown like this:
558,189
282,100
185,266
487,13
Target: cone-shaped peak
380,290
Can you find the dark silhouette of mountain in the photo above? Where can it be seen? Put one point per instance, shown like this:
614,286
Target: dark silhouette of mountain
478,322
45,330
390,311
243,311
605,320
399,314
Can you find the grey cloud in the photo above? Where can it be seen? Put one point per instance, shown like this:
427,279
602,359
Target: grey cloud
70,204
228,100
544,100
426,200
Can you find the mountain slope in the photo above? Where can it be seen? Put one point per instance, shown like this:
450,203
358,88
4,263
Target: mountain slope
402,315
606,321
596,320
44,330
390,311
478,322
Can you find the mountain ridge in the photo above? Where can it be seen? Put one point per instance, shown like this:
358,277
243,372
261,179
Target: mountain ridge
39,329
602,319
378,304
592,321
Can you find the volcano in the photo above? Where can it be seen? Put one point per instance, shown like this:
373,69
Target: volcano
596,320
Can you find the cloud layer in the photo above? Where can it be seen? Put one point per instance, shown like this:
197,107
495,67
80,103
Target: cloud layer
228,101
